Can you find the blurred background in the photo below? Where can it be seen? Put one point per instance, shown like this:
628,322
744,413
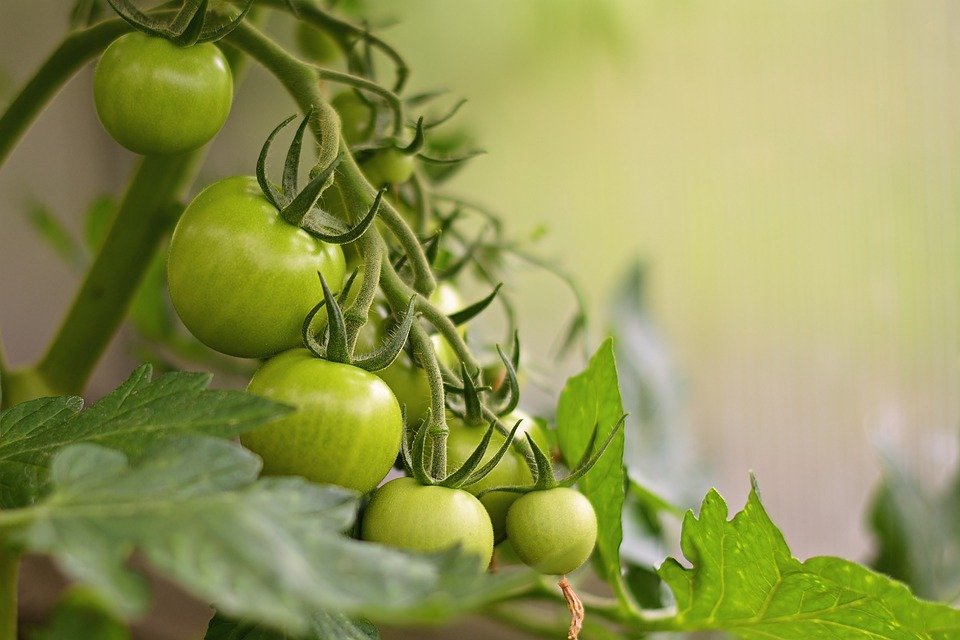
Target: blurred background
787,173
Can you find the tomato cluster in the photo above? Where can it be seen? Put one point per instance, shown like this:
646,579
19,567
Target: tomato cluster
243,279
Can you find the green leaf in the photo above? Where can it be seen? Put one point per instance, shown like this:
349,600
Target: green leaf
270,551
49,227
131,417
589,399
744,580
323,626
917,531
80,615
97,220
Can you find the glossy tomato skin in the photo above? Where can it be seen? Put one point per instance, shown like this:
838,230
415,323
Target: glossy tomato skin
240,277
553,531
408,515
157,99
512,470
345,428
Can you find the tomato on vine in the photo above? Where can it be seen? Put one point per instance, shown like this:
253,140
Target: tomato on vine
389,166
157,98
408,515
553,531
345,429
356,116
240,277
317,45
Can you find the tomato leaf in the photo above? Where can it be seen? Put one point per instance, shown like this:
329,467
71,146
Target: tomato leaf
323,626
269,550
589,399
137,413
744,580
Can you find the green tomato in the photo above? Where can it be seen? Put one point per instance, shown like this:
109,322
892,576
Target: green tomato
240,277
316,45
408,515
156,98
345,429
388,166
356,116
552,531
512,470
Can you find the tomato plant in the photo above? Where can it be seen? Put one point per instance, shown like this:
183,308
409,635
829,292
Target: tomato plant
241,278
346,427
405,514
157,98
266,531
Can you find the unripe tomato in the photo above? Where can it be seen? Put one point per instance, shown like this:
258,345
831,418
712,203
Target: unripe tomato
356,116
316,45
553,530
388,166
408,515
241,278
512,470
345,429
156,98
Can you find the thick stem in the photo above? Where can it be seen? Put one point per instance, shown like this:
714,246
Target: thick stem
437,429
102,301
300,80
9,579
356,187
356,316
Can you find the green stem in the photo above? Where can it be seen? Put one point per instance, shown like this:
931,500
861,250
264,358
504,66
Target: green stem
358,313
357,188
300,80
102,301
396,105
74,52
9,578
313,15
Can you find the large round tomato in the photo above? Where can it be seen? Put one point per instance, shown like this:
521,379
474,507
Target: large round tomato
408,515
345,428
241,278
552,531
157,98
512,470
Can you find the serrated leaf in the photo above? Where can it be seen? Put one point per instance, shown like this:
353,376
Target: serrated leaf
744,580
137,413
270,551
589,399
323,626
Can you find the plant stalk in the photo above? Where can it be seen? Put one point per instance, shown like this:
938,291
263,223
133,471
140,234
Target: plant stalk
9,581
